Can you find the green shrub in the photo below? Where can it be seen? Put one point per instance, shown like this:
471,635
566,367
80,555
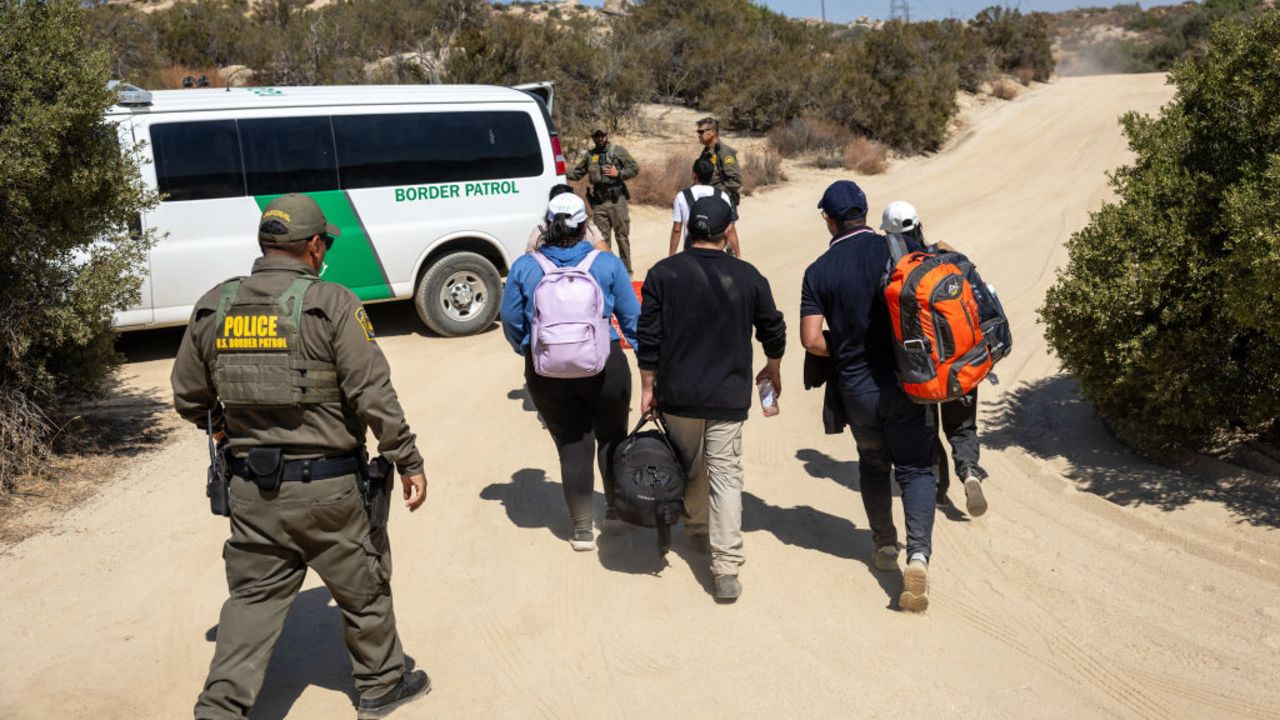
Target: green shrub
1168,311
1018,41
67,258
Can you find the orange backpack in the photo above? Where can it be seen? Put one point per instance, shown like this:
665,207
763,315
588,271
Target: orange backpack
938,340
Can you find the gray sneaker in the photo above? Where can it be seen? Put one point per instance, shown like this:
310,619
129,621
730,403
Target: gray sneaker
728,588
974,499
583,540
886,557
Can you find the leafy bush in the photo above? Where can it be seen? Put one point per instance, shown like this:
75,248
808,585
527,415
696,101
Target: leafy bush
70,192
1168,311
1018,41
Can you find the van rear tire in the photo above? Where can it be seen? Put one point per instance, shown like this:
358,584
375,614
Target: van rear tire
460,294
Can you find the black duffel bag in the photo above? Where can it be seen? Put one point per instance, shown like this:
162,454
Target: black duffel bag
649,481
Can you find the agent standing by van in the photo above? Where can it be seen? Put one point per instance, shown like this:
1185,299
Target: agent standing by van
724,159
609,166
286,366
586,416
843,287
699,309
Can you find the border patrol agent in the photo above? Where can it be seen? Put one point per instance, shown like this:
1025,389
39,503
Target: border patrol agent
728,171
284,370
608,167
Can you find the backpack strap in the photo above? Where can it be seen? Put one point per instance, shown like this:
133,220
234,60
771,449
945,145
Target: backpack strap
586,261
290,301
688,199
897,247
227,298
543,262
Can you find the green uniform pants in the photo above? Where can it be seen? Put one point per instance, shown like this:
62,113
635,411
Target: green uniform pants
615,215
274,538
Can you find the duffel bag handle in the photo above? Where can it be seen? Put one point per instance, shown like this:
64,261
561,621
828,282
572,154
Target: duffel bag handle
656,418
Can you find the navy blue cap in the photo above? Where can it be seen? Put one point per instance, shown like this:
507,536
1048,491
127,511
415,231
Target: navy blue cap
841,197
710,216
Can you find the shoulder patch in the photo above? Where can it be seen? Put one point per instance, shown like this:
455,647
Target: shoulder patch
728,159
362,319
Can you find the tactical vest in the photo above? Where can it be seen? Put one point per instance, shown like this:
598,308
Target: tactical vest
257,353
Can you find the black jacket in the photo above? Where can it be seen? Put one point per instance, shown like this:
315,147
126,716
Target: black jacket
697,311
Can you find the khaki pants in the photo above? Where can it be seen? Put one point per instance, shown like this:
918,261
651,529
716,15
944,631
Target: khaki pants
615,216
711,451
274,538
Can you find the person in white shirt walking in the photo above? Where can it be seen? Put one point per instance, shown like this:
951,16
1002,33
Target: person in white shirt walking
703,171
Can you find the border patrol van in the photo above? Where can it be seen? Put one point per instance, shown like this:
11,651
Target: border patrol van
435,188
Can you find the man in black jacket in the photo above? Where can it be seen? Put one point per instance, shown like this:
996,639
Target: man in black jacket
697,312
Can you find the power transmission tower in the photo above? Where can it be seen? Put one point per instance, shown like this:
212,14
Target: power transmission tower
899,10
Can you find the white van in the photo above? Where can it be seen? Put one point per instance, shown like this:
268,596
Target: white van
434,187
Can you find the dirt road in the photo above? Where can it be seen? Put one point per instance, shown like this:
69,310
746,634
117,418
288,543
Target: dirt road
1097,586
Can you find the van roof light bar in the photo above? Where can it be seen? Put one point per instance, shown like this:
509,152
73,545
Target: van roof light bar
129,95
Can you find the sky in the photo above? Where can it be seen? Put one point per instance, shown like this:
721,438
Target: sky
842,11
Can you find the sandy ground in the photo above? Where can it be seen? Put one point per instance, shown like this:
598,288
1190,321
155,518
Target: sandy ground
1097,586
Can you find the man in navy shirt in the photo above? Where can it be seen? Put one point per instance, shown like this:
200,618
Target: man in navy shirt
844,288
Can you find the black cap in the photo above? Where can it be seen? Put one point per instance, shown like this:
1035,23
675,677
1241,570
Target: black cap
598,133
710,216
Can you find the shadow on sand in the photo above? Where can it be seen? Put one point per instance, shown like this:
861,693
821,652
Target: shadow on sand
311,651
1049,419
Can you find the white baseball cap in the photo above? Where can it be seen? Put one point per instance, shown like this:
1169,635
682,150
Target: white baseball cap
567,204
900,216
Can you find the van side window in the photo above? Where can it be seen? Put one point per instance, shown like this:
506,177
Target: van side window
420,148
283,155
197,160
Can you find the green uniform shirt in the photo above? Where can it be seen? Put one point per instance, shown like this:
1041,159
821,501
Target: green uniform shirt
724,159
592,163
334,329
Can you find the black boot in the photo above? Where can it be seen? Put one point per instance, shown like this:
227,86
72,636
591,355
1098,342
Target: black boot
412,686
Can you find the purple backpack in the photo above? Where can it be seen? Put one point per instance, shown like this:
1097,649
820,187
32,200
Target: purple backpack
570,333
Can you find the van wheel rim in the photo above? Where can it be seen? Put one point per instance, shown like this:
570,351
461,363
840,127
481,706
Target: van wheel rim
463,296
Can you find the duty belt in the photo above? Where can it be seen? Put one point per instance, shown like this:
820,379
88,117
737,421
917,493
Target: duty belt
302,470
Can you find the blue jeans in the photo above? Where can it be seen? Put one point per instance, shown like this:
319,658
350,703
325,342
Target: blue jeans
893,433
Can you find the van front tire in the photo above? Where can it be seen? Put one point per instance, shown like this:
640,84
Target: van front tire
460,294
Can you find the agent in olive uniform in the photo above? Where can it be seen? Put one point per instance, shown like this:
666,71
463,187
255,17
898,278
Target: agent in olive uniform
609,166
728,172
288,366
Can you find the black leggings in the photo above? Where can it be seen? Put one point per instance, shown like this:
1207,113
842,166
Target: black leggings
587,417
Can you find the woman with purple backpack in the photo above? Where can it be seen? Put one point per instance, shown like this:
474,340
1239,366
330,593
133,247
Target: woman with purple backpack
555,312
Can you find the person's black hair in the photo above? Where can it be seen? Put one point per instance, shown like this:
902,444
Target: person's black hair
559,233
559,189
917,233
703,170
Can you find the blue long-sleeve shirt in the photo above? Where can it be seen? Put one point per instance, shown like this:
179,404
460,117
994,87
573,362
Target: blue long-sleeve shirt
517,298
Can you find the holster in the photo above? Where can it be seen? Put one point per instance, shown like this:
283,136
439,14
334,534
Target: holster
267,466
217,486
375,486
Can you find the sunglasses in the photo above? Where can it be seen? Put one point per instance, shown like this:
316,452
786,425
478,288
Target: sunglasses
704,132
328,242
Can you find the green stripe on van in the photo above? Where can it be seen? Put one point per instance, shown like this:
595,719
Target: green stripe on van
352,261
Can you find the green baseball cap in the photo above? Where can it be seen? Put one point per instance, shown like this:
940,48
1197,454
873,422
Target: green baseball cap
299,215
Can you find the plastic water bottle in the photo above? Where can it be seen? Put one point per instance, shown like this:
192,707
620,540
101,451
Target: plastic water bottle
768,398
